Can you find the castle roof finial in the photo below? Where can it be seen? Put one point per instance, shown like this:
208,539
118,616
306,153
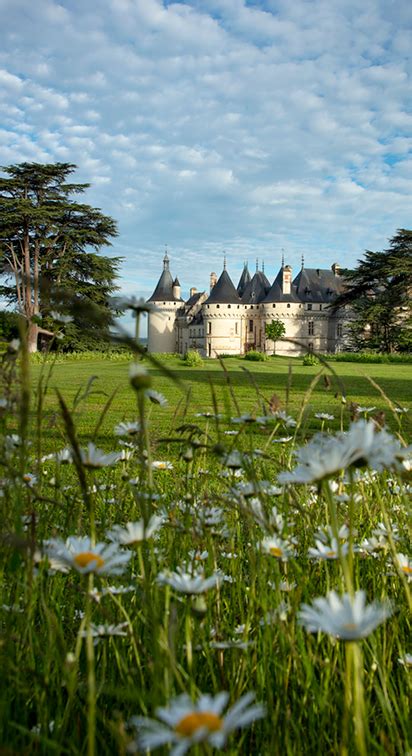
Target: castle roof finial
166,260
224,260
303,261
257,264
263,266
283,258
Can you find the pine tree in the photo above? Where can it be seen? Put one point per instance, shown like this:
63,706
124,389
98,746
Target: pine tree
49,245
379,293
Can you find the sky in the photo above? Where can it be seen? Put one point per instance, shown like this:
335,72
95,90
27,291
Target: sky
218,127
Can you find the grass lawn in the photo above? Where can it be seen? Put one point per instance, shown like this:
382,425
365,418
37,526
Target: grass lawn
252,384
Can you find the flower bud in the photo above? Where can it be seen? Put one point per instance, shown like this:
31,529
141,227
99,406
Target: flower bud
139,377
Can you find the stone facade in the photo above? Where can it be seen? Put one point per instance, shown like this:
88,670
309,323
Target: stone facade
232,320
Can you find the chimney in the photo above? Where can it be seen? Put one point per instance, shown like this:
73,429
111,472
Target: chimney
193,291
213,280
336,269
286,279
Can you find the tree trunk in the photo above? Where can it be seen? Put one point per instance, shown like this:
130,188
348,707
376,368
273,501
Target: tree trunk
32,335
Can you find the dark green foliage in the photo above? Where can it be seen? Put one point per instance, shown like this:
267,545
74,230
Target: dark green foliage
310,359
192,359
379,293
255,356
370,357
9,327
274,331
48,253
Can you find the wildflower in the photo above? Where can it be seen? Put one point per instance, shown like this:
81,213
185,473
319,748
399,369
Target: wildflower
106,631
135,532
161,465
139,377
347,617
29,479
233,460
185,723
127,429
287,421
278,547
132,303
405,660
324,416
282,440
327,550
156,397
404,565
95,458
188,582
328,533
245,419
84,556
326,455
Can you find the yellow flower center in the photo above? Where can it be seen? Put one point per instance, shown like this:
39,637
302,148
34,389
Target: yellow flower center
197,720
331,553
407,569
84,559
350,626
275,551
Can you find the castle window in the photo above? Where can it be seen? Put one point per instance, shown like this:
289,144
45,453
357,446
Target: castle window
236,331
273,305
209,328
309,307
339,330
310,346
320,306
250,326
217,307
209,349
288,304
311,327
228,307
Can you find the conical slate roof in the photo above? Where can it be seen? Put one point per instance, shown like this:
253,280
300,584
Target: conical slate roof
317,285
243,281
276,293
224,291
256,290
164,289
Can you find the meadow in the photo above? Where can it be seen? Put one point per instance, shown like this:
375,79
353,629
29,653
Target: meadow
229,570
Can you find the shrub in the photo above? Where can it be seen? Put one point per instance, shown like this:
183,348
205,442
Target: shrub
192,359
370,357
255,356
310,359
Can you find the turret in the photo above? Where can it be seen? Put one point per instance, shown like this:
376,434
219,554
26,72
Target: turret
167,300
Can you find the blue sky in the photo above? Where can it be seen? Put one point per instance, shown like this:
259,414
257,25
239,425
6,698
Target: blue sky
219,125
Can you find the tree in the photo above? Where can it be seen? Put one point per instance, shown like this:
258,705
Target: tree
379,294
275,331
49,245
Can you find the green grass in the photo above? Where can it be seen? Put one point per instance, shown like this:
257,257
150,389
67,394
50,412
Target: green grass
289,380
61,694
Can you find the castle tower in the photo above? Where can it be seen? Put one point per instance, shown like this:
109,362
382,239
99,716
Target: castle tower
167,300
222,318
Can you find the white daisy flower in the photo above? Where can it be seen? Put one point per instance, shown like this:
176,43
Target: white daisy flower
127,429
233,460
287,421
189,582
156,397
243,419
405,660
326,534
324,416
327,550
278,547
139,377
404,565
282,440
95,458
185,723
347,617
161,465
135,532
106,631
326,455
29,479
84,556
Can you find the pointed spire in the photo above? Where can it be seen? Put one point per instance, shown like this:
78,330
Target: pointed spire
166,260
303,261
257,264
224,260
283,258
263,266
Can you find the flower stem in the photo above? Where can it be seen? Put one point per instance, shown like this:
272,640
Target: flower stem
91,678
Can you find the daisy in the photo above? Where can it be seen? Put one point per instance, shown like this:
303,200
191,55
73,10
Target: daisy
156,397
327,550
347,617
326,455
106,631
161,465
81,555
287,421
135,532
404,565
405,660
324,416
184,722
127,429
95,458
189,582
139,377
278,547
